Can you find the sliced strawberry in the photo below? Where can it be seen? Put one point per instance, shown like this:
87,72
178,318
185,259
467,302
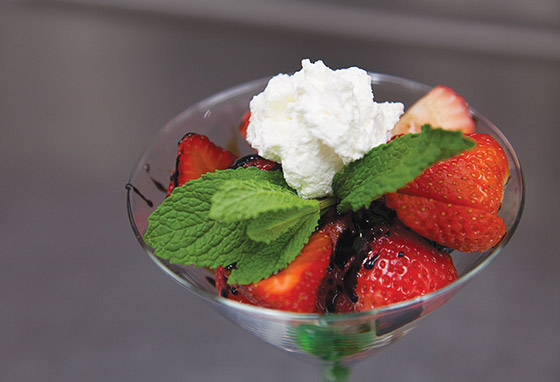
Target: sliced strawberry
455,201
197,155
400,265
295,287
467,229
474,178
244,123
440,107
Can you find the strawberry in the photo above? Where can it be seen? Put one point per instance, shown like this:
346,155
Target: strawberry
454,202
197,155
460,227
256,161
400,265
440,107
474,178
363,238
244,123
295,287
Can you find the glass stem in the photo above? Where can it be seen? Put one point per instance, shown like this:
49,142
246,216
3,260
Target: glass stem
335,371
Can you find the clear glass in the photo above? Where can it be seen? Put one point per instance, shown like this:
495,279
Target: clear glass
335,340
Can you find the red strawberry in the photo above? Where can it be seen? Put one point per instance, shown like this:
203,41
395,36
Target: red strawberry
244,123
460,227
455,201
474,178
293,288
398,266
197,155
440,107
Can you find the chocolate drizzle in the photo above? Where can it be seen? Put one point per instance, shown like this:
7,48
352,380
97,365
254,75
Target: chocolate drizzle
174,179
156,183
130,186
369,264
253,159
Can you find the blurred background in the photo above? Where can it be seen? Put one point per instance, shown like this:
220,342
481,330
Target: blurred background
85,85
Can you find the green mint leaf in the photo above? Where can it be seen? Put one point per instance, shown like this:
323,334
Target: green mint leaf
246,199
390,166
272,209
182,231
271,226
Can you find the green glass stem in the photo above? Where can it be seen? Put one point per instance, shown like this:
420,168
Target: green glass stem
335,371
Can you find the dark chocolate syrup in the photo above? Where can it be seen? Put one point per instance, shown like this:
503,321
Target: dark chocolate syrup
231,266
130,186
174,179
369,264
249,159
156,183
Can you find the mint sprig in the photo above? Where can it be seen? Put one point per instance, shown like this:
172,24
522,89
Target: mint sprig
390,166
198,224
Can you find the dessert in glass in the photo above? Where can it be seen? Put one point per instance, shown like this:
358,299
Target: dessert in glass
338,333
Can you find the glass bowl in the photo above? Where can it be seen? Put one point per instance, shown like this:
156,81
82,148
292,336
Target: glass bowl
336,339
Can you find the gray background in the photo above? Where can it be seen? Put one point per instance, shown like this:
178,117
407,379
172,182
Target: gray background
84,88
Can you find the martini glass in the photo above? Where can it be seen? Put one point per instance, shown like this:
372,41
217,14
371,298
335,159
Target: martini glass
334,340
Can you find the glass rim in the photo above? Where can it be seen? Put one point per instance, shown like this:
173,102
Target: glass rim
320,317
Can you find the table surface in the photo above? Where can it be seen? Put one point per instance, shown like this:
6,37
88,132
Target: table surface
83,91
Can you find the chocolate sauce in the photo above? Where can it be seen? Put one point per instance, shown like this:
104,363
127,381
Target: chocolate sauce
249,159
227,290
439,247
130,186
343,250
369,264
156,183
174,179
231,267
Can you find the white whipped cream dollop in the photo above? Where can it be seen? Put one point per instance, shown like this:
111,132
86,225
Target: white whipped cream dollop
317,120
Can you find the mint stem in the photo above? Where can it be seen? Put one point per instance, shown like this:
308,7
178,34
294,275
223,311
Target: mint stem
326,203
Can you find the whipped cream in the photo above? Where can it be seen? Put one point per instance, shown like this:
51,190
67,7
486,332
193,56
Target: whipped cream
317,120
